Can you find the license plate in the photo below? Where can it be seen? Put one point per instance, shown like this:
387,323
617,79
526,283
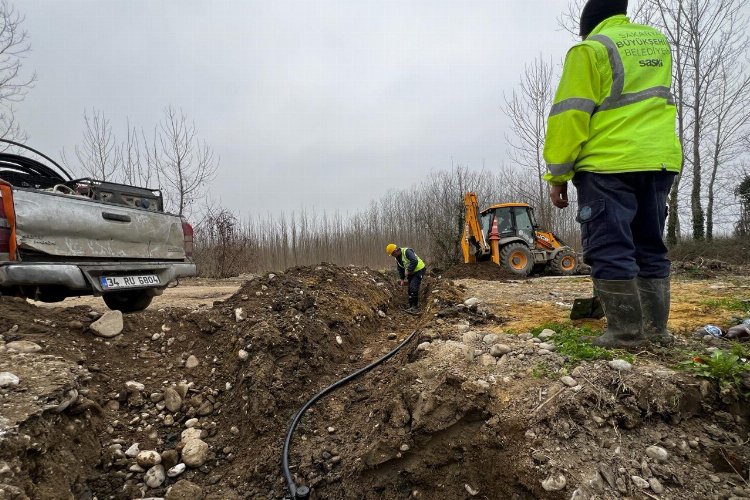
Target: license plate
111,282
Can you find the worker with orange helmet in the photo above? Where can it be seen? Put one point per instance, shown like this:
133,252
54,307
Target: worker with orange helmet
411,270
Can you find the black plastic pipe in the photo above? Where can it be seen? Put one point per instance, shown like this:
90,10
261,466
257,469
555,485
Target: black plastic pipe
303,492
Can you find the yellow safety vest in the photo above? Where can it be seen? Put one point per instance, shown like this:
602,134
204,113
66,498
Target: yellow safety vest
405,261
614,111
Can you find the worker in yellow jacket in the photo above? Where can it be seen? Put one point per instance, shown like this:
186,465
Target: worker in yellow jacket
611,131
411,270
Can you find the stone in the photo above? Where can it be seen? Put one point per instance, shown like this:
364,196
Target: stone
133,451
154,476
656,486
471,302
191,422
75,325
569,381
487,360
23,346
133,386
554,483
392,336
234,430
8,379
240,314
547,333
169,420
546,345
339,340
424,346
499,350
195,453
491,339
243,355
170,458
184,490
192,362
657,453
620,365
176,470
190,434
639,482
148,458
172,400
109,325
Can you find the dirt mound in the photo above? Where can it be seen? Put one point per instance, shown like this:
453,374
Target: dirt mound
488,271
461,411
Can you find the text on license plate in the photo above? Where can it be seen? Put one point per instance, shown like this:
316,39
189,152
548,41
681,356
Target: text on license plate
128,281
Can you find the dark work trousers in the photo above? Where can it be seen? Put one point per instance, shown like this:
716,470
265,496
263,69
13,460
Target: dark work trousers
622,219
415,280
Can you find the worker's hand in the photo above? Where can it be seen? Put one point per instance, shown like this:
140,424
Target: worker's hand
403,283
559,195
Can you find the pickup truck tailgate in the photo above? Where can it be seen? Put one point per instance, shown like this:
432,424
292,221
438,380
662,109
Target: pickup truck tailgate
74,226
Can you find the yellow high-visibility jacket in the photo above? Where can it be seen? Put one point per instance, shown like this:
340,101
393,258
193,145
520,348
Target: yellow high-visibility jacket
614,111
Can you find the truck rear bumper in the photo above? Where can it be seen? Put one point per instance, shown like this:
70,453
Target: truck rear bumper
86,276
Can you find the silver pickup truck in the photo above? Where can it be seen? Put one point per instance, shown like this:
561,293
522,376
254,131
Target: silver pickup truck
62,237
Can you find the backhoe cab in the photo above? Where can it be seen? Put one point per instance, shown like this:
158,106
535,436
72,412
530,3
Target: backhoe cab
508,235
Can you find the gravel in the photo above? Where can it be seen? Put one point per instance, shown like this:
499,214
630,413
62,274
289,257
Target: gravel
109,325
620,365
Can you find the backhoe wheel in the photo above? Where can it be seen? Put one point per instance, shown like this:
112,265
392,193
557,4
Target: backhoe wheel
128,301
517,258
565,263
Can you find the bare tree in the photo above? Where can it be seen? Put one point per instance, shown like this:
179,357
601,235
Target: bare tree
185,163
14,45
528,108
98,153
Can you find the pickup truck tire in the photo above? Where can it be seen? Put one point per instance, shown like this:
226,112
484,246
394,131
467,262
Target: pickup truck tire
129,301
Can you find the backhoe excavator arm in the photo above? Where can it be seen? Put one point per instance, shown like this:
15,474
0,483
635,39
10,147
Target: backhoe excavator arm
474,242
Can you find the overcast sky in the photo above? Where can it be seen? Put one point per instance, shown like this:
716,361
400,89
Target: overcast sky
324,104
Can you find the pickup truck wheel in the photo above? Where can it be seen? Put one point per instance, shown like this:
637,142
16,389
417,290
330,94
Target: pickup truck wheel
130,301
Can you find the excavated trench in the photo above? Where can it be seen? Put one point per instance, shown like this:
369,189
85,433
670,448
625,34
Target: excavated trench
444,418
301,330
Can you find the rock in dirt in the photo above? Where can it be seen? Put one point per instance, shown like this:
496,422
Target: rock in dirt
190,433
546,334
499,350
657,453
620,365
192,362
472,302
184,490
133,386
639,482
154,476
243,355
656,486
133,451
23,346
240,314
8,379
169,458
109,325
554,483
176,470
490,339
569,381
148,458
471,491
172,400
195,453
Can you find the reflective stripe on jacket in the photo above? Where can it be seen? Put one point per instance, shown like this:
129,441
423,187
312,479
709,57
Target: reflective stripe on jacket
614,111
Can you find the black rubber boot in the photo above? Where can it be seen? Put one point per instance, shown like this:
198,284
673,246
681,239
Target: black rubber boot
622,307
654,294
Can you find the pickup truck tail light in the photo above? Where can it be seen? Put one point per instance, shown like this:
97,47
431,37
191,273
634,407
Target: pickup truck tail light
6,222
187,233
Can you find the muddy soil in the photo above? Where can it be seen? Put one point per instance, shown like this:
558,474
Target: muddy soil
472,407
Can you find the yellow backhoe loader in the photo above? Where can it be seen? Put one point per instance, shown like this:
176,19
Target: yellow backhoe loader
508,235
